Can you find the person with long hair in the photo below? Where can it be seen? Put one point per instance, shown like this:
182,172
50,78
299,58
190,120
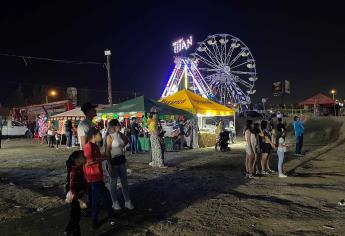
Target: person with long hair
266,147
156,145
257,149
75,187
250,142
116,143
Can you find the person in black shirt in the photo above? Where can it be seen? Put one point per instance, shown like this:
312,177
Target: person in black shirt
134,135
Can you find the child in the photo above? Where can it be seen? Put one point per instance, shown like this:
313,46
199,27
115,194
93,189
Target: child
51,135
94,177
281,151
75,186
57,139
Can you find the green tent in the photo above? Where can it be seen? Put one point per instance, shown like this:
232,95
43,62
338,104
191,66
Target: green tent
143,104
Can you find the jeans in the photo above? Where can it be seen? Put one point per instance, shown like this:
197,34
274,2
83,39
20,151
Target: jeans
73,223
74,139
119,171
299,144
68,138
280,162
100,195
134,143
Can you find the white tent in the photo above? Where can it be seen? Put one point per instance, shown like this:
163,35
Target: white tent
75,114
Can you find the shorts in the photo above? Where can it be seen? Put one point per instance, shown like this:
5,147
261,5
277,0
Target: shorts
266,148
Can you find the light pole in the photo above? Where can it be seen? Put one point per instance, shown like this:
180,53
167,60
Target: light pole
107,53
333,92
52,93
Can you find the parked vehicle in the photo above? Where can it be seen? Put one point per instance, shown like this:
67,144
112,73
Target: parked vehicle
15,128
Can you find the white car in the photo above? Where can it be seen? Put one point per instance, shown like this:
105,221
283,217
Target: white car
14,128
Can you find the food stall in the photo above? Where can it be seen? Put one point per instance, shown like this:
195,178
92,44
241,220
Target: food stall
202,108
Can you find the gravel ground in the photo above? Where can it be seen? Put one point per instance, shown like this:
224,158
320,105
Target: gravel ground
201,193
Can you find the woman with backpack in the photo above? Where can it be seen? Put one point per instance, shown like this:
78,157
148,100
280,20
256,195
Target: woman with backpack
116,143
75,187
266,147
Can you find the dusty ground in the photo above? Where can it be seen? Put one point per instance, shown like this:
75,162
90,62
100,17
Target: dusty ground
202,193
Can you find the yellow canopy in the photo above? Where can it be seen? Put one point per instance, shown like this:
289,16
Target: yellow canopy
191,102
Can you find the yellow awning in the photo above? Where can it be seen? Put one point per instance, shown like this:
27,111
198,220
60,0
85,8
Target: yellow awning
191,102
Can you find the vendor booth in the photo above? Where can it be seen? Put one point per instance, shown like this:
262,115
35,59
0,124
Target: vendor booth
139,108
203,109
320,105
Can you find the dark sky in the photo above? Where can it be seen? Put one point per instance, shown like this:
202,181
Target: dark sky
301,43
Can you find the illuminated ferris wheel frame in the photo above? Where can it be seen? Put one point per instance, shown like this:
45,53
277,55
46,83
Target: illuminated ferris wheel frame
228,67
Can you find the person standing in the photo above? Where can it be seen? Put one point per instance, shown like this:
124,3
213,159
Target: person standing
232,132
116,142
257,149
266,147
156,145
299,131
86,126
51,135
76,186
281,152
94,177
250,139
68,133
134,135
74,134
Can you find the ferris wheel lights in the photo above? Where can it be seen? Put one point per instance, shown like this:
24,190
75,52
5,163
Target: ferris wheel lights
211,42
251,66
253,79
245,54
235,45
223,41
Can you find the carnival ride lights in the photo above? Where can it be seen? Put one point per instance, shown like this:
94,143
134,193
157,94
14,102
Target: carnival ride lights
228,67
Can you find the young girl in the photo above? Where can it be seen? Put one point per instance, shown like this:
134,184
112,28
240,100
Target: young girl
266,147
75,186
280,152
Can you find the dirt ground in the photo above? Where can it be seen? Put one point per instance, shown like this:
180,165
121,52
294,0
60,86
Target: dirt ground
203,192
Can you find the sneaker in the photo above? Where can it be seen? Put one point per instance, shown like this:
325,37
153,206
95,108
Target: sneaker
271,171
251,176
129,205
282,176
111,221
116,206
341,203
265,173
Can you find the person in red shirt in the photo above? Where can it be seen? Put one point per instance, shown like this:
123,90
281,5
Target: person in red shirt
94,177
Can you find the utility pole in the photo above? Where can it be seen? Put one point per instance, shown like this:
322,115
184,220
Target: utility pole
107,53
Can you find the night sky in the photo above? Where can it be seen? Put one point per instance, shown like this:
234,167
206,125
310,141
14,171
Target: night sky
300,43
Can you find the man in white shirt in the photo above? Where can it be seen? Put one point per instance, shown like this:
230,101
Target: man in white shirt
85,126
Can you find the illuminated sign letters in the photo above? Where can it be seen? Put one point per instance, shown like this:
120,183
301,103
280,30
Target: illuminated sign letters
182,44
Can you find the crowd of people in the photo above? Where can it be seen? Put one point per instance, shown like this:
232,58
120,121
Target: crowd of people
261,139
87,167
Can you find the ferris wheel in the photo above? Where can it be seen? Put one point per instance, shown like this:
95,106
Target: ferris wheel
228,67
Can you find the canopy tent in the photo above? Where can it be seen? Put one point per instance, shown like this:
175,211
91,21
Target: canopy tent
196,104
318,99
143,104
74,114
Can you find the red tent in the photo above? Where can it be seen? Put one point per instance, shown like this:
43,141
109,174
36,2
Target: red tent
318,99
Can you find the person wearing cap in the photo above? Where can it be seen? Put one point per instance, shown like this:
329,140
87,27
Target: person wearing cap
85,126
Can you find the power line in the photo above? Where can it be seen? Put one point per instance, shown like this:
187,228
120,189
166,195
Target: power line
25,58
65,87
